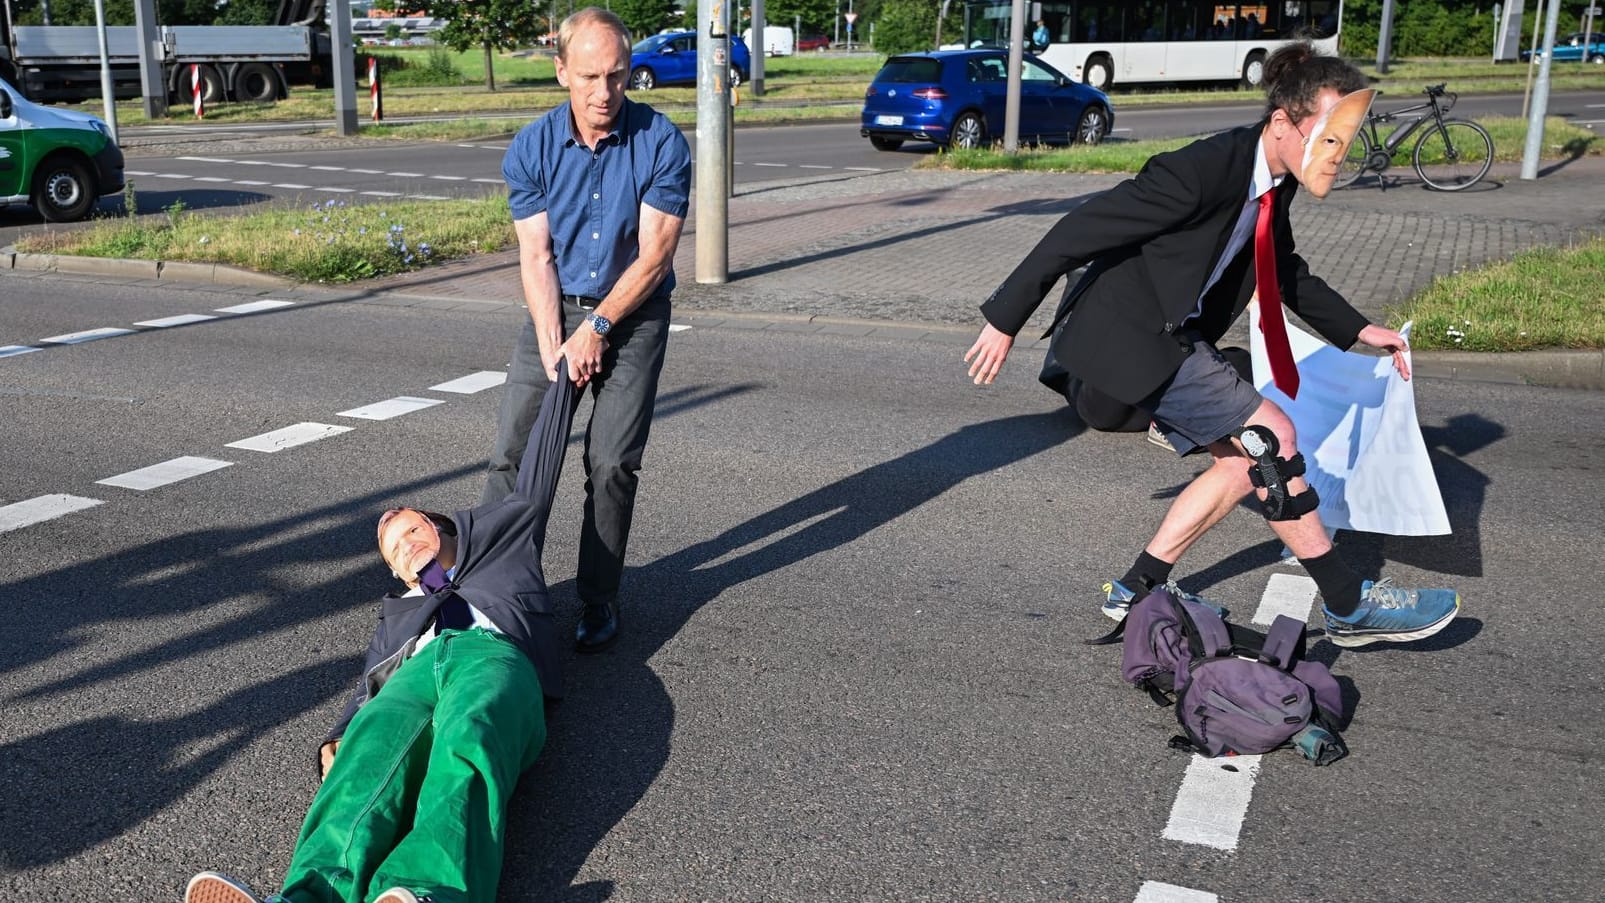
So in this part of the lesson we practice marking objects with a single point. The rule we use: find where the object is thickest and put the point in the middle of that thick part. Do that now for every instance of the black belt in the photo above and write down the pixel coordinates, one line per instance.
(582, 302)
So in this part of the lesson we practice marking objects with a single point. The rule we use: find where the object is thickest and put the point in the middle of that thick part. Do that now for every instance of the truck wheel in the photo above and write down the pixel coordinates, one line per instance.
(211, 85)
(256, 83)
(63, 190)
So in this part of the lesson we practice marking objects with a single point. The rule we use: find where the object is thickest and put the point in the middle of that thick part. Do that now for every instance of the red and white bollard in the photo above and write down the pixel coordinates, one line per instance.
(374, 93)
(195, 89)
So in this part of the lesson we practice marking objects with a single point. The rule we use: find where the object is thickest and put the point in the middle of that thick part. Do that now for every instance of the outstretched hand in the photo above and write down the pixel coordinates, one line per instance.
(989, 352)
(1389, 341)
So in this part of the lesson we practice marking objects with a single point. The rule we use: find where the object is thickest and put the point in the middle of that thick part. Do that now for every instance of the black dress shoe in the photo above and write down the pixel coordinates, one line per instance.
(598, 628)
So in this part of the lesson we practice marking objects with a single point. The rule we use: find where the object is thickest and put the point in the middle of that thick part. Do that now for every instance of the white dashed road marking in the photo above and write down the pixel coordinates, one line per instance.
(137, 172)
(289, 437)
(772, 164)
(45, 507)
(1287, 594)
(207, 159)
(489, 181)
(291, 185)
(369, 172)
(383, 194)
(679, 327)
(210, 179)
(249, 182)
(254, 307)
(1159, 892)
(451, 178)
(393, 407)
(473, 382)
(14, 350)
(1213, 801)
(180, 320)
(165, 473)
(171, 175)
(328, 168)
(87, 335)
(406, 175)
(334, 189)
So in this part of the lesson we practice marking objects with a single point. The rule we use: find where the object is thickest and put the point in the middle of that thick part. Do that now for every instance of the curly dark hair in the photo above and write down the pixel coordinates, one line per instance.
(1297, 73)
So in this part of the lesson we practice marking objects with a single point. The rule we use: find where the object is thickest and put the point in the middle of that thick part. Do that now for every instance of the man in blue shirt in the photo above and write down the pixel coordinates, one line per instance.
(599, 189)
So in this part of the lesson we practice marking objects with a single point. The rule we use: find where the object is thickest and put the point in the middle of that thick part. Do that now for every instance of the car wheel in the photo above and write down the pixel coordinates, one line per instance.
(736, 76)
(1094, 125)
(1254, 70)
(1597, 59)
(969, 132)
(885, 144)
(63, 190)
(1098, 73)
(642, 79)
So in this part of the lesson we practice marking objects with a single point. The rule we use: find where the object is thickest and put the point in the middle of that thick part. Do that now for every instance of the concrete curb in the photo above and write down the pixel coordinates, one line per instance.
(174, 271)
(1560, 369)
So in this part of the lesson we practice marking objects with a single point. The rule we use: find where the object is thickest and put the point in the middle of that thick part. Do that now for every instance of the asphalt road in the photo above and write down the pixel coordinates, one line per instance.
(851, 666)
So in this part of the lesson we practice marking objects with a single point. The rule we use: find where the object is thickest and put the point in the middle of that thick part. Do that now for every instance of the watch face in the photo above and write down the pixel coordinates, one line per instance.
(600, 323)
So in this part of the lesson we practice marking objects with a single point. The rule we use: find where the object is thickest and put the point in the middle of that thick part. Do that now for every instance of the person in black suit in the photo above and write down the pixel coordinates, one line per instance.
(1172, 262)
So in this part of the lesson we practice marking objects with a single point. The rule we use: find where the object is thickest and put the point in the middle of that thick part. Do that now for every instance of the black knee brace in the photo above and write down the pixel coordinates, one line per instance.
(1271, 474)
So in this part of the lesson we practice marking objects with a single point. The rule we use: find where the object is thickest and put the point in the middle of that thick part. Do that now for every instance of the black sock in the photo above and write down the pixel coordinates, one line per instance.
(1339, 584)
(1147, 573)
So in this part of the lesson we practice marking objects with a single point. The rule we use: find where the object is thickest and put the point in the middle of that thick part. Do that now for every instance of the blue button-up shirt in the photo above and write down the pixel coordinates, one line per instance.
(592, 199)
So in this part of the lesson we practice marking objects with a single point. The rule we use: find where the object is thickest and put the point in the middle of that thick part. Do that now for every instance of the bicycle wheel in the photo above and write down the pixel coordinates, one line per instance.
(1354, 164)
(1453, 155)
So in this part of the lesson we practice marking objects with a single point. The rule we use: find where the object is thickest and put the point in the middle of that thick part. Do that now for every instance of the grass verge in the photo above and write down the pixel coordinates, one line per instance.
(325, 242)
(1542, 298)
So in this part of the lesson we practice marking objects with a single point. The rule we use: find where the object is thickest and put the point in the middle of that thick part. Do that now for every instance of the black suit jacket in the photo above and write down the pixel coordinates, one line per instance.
(1152, 242)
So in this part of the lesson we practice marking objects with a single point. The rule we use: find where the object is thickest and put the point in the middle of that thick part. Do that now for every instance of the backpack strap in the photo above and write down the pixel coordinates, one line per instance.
(1110, 638)
(1207, 635)
(1284, 644)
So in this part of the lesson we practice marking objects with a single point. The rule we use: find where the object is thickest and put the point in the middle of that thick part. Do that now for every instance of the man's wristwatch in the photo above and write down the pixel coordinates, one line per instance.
(599, 323)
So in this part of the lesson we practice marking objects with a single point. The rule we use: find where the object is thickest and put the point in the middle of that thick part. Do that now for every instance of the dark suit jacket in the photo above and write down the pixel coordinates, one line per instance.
(498, 568)
(1152, 241)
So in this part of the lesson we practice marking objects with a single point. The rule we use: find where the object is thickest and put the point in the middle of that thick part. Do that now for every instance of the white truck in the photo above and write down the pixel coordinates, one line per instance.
(48, 63)
(778, 40)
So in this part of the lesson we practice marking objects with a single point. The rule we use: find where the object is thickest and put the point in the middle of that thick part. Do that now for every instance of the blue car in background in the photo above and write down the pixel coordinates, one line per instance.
(1574, 48)
(955, 98)
(671, 59)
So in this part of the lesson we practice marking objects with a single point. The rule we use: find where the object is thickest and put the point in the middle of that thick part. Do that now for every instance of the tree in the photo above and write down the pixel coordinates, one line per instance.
(907, 26)
(489, 24)
(643, 17)
(393, 31)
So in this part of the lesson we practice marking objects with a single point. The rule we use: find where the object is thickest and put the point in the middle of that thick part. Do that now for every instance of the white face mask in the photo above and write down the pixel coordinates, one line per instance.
(1328, 141)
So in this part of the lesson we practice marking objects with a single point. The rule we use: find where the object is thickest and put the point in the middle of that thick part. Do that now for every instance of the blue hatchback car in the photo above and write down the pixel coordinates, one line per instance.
(671, 59)
(955, 98)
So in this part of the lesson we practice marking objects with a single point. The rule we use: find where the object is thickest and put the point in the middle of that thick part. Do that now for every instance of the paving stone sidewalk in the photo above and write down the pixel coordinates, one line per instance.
(925, 247)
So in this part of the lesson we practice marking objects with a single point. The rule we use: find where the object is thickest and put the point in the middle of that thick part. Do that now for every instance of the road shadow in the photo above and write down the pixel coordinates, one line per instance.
(93, 780)
(610, 738)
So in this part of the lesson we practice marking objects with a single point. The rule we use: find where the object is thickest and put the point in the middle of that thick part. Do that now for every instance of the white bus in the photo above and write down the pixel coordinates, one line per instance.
(1101, 42)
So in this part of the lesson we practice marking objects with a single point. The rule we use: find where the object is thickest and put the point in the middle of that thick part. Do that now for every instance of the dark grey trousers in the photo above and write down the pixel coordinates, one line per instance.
(615, 438)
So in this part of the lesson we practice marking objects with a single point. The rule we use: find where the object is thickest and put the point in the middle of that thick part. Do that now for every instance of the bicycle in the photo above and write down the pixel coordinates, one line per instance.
(1450, 155)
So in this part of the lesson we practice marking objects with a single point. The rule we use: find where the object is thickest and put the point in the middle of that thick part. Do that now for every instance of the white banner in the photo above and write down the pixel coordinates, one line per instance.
(1356, 423)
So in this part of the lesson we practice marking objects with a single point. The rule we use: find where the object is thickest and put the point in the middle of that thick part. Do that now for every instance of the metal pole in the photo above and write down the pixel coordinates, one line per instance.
(713, 128)
(1535, 120)
(105, 71)
(759, 23)
(1385, 37)
(151, 56)
(1532, 56)
(1011, 103)
(345, 74)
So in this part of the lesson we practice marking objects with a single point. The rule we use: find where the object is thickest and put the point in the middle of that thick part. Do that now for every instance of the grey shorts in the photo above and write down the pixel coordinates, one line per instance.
(1205, 401)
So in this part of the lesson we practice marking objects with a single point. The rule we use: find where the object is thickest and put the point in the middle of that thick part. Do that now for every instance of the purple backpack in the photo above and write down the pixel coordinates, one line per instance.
(1235, 690)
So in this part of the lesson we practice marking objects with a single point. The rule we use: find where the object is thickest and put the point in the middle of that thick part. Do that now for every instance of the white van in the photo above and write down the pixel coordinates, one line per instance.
(59, 161)
(777, 40)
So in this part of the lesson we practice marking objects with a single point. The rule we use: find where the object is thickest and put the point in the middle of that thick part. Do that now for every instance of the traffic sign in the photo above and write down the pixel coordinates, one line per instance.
(850, 17)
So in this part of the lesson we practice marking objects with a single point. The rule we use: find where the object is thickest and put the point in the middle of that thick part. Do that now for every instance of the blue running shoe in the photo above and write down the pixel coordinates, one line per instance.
(1118, 599)
(1388, 614)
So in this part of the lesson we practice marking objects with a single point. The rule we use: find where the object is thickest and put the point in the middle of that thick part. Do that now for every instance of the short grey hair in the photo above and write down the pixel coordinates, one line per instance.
(590, 15)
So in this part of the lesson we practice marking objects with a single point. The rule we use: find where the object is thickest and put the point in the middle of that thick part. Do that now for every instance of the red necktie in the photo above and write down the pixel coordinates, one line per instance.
(1271, 324)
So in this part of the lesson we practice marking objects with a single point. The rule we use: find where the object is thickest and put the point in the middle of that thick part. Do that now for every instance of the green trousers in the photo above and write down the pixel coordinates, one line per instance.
(417, 796)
